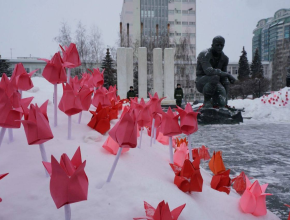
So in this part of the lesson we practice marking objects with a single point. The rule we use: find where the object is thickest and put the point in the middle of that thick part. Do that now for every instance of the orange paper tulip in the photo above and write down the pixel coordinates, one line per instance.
(216, 164)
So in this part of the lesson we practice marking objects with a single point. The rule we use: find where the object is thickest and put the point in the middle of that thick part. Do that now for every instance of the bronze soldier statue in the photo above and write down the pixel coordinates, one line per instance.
(212, 79)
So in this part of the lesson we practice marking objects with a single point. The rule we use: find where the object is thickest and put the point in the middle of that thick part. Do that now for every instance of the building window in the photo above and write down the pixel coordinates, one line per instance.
(184, 12)
(192, 46)
(171, 22)
(129, 12)
(39, 70)
(191, 0)
(191, 23)
(170, 11)
(178, 11)
(192, 35)
(184, 23)
(191, 12)
(178, 34)
(27, 70)
(177, 22)
(171, 34)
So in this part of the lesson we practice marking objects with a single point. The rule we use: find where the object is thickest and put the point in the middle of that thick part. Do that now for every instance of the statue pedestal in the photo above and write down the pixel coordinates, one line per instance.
(220, 116)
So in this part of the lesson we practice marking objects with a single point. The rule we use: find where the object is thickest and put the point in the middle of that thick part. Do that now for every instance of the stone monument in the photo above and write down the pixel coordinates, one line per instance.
(212, 80)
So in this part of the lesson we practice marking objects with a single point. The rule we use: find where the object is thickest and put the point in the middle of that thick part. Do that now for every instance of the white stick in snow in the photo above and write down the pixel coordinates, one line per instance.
(80, 117)
(67, 212)
(114, 165)
(43, 156)
(10, 134)
(68, 75)
(189, 148)
(55, 104)
(2, 133)
(152, 131)
(140, 141)
(154, 140)
(69, 128)
(20, 91)
(170, 150)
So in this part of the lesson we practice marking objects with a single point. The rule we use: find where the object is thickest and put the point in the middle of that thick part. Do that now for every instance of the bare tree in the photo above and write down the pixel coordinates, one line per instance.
(81, 41)
(64, 35)
(96, 45)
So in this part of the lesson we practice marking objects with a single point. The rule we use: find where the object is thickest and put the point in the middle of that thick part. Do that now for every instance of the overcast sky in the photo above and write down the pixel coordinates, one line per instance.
(29, 26)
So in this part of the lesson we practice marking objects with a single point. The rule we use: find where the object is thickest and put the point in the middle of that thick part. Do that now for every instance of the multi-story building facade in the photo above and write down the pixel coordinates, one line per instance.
(176, 18)
(269, 32)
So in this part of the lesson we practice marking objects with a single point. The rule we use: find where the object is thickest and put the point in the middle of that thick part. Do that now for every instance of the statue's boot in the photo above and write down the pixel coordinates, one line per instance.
(207, 102)
(208, 92)
(220, 96)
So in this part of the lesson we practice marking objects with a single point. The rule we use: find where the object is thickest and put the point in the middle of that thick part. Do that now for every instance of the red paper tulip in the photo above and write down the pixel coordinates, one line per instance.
(85, 95)
(221, 182)
(71, 55)
(180, 155)
(100, 121)
(125, 131)
(111, 146)
(162, 212)
(101, 96)
(24, 105)
(12, 109)
(155, 104)
(188, 178)
(161, 138)
(87, 80)
(188, 120)
(169, 126)
(203, 153)
(37, 127)
(21, 78)
(240, 183)
(113, 93)
(253, 199)
(98, 77)
(144, 117)
(75, 83)
(70, 102)
(69, 182)
(54, 71)
(1, 177)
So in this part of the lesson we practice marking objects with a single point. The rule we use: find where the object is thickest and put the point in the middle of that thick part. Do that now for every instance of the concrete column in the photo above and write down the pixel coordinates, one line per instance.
(122, 72)
(194, 72)
(136, 22)
(169, 73)
(157, 72)
(142, 72)
(129, 68)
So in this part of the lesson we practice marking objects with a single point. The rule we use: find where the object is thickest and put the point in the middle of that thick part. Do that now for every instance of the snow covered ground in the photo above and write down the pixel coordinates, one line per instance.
(141, 175)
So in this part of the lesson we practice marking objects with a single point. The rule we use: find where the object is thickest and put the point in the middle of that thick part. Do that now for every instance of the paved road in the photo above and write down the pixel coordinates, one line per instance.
(262, 151)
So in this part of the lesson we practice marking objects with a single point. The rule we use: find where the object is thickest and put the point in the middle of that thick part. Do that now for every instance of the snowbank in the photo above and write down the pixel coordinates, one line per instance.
(266, 112)
(141, 175)
(260, 112)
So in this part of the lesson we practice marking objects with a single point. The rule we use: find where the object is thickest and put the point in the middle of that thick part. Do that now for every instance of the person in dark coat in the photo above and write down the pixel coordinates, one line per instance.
(178, 95)
(131, 93)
